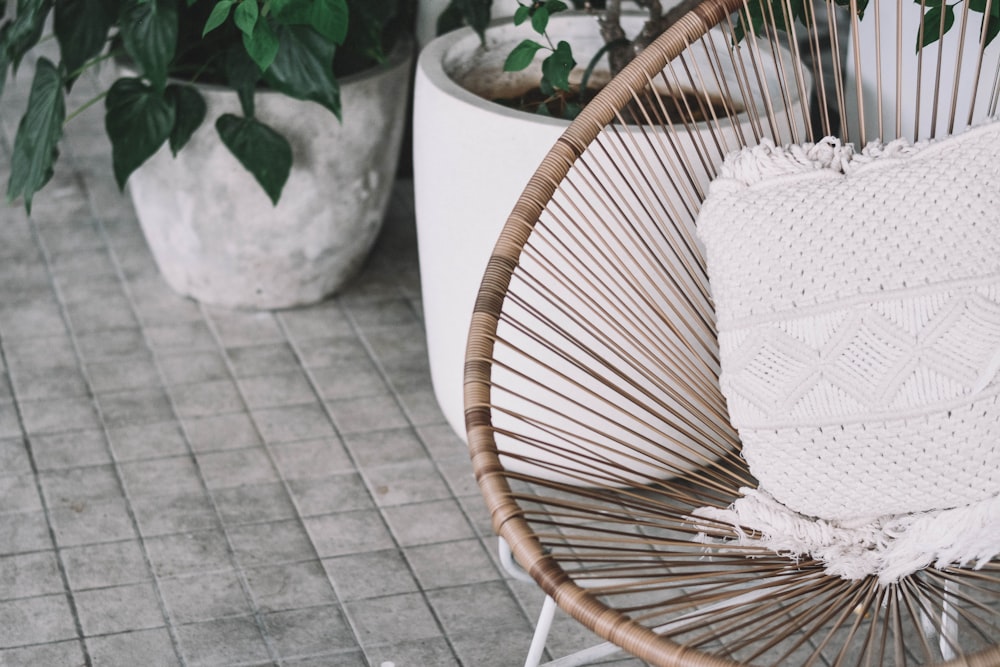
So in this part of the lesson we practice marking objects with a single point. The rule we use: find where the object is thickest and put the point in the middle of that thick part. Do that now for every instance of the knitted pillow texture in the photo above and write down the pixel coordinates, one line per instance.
(858, 304)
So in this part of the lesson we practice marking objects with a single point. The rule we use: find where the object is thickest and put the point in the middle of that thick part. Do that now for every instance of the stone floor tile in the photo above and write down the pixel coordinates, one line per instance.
(469, 609)
(69, 450)
(434, 651)
(148, 441)
(105, 315)
(68, 653)
(371, 413)
(413, 619)
(10, 421)
(29, 575)
(58, 415)
(204, 597)
(451, 564)
(290, 586)
(149, 648)
(188, 553)
(135, 407)
(91, 522)
(330, 350)
(253, 504)
(403, 483)
(76, 486)
(349, 378)
(301, 632)
(421, 407)
(323, 321)
(326, 495)
(14, 457)
(182, 512)
(113, 345)
(204, 399)
(106, 611)
(53, 382)
(259, 544)
(236, 467)
(267, 391)
(192, 367)
(370, 574)
(355, 658)
(223, 641)
(115, 376)
(35, 620)
(233, 430)
(427, 523)
(23, 532)
(179, 337)
(46, 350)
(310, 459)
(375, 448)
(104, 565)
(293, 422)
(348, 532)
(257, 360)
(161, 477)
(492, 646)
(19, 493)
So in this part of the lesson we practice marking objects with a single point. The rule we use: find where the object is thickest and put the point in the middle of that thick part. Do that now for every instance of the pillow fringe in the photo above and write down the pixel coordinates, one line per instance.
(889, 547)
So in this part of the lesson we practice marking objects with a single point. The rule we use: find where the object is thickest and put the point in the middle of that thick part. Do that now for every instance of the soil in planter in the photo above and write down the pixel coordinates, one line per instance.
(691, 107)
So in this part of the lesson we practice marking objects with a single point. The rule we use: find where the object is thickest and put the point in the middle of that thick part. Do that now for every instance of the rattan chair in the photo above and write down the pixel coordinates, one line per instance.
(595, 419)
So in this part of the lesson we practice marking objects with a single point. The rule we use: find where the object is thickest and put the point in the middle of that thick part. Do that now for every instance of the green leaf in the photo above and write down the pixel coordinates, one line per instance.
(303, 68)
(81, 28)
(992, 28)
(522, 14)
(476, 14)
(189, 112)
(980, 6)
(138, 119)
(327, 17)
(149, 32)
(556, 67)
(246, 15)
(540, 19)
(262, 44)
(932, 28)
(35, 146)
(26, 29)
(521, 56)
(555, 6)
(220, 12)
(263, 152)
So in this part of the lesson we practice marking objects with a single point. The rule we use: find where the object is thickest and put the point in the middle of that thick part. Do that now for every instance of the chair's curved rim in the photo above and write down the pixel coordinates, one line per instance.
(507, 517)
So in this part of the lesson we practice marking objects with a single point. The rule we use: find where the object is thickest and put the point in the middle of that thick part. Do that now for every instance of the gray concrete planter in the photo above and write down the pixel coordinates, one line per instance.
(216, 236)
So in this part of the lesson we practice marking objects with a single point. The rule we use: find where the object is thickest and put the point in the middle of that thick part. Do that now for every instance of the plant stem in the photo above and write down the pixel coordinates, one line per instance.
(89, 103)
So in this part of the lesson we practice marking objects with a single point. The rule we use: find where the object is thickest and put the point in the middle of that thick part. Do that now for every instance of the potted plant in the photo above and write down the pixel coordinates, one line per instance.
(473, 155)
(258, 164)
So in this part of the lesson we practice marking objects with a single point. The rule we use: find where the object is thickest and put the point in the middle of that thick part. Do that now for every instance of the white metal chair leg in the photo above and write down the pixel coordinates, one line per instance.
(542, 627)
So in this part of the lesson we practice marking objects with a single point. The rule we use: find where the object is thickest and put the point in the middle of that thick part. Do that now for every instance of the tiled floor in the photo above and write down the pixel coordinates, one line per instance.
(182, 485)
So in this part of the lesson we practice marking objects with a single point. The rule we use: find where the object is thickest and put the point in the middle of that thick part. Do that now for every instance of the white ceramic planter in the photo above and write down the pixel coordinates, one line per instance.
(472, 159)
(216, 236)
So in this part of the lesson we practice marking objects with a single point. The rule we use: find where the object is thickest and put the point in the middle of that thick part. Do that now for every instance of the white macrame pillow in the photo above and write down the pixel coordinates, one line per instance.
(858, 303)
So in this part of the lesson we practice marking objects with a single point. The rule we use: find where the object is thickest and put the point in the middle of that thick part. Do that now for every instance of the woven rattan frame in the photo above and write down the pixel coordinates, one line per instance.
(536, 514)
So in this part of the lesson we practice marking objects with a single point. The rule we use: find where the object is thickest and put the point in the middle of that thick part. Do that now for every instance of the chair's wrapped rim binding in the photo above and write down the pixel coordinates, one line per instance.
(595, 434)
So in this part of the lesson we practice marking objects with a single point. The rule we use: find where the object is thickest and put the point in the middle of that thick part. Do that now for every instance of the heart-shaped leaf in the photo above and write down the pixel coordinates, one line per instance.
(138, 119)
(35, 145)
(218, 16)
(81, 28)
(149, 32)
(189, 112)
(303, 68)
(262, 45)
(26, 29)
(266, 154)
(556, 67)
(521, 56)
(327, 17)
(246, 15)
